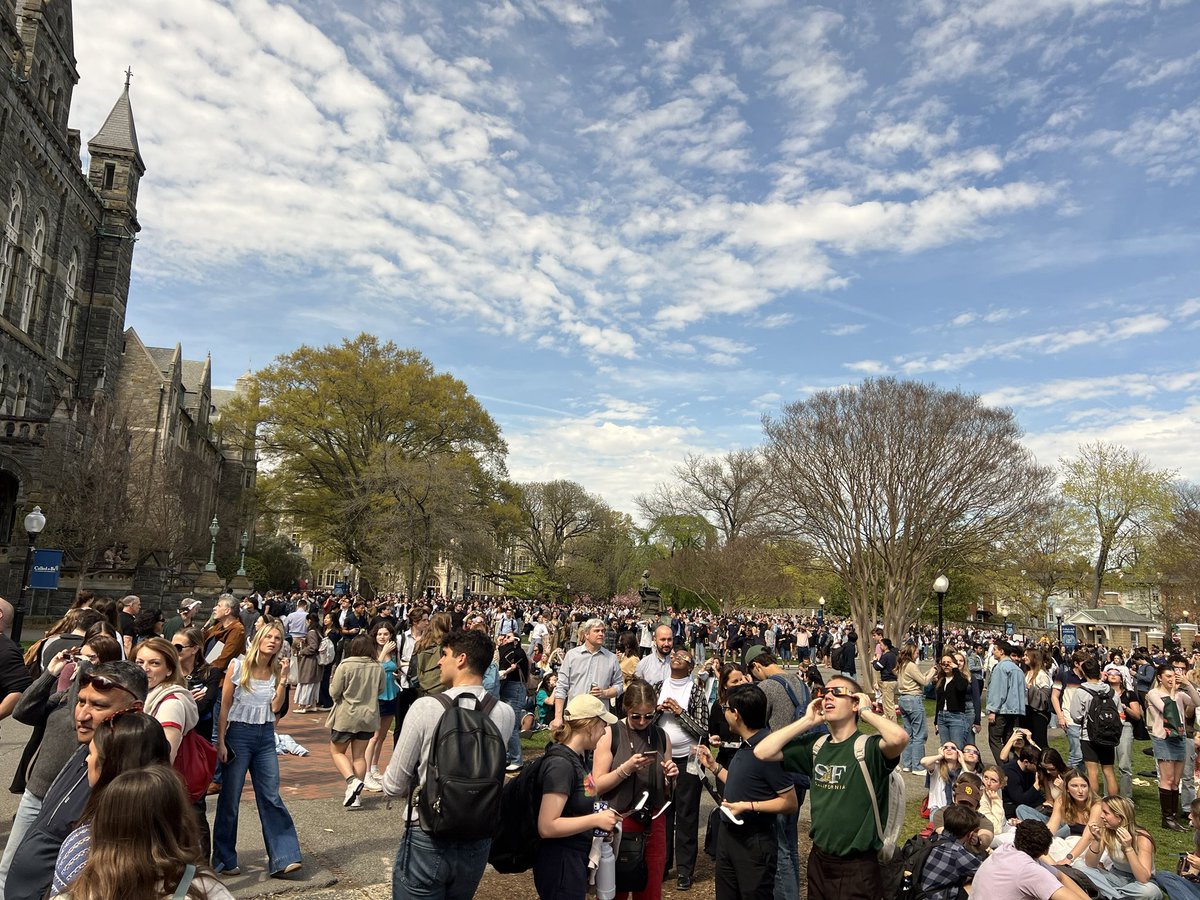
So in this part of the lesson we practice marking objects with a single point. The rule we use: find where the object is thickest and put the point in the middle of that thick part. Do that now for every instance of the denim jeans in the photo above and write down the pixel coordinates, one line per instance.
(954, 726)
(429, 868)
(1117, 884)
(912, 711)
(1187, 783)
(253, 749)
(787, 859)
(1074, 748)
(513, 693)
(27, 812)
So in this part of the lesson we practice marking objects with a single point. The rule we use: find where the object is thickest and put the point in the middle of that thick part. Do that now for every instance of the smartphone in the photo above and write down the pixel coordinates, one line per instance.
(652, 753)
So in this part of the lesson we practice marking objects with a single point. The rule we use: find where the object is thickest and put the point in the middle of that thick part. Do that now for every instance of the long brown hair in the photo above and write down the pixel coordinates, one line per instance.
(143, 837)
(129, 740)
(440, 625)
(166, 650)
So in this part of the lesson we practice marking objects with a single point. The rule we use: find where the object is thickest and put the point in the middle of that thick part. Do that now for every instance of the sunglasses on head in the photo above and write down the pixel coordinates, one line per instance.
(102, 683)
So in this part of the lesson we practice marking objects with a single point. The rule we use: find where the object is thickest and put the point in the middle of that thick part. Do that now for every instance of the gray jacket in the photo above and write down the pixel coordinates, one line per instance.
(42, 703)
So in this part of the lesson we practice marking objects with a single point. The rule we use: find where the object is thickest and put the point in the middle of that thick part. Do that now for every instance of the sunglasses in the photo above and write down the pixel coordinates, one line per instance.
(181, 647)
(970, 750)
(949, 747)
(642, 717)
(839, 692)
(103, 683)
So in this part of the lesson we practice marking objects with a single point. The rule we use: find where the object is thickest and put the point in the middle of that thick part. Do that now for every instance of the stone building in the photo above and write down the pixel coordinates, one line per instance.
(66, 249)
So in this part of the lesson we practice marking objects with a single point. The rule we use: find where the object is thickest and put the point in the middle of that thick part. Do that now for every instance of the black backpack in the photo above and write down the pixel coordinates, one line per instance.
(459, 796)
(516, 843)
(1103, 720)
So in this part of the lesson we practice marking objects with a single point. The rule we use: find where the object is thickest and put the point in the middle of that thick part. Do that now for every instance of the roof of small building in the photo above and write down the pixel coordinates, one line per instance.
(118, 131)
(1109, 615)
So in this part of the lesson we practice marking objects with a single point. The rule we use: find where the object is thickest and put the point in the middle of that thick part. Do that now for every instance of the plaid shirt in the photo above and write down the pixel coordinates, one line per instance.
(947, 868)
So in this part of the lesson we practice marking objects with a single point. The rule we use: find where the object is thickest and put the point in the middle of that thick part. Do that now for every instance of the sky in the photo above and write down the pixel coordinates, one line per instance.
(634, 228)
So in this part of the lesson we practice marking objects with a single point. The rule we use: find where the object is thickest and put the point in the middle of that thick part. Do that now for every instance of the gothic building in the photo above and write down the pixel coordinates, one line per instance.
(65, 249)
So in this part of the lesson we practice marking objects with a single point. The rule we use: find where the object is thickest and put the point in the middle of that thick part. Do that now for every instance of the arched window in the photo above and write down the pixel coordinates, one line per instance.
(22, 395)
(8, 246)
(68, 306)
(33, 272)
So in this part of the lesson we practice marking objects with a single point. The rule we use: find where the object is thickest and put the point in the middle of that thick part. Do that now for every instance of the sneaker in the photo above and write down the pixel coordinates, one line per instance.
(512, 768)
(353, 789)
(301, 710)
(288, 869)
(357, 804)
(234, 871)
(372, 783)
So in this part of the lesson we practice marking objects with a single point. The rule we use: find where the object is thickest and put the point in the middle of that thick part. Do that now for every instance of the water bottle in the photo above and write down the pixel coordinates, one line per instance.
(606, 873)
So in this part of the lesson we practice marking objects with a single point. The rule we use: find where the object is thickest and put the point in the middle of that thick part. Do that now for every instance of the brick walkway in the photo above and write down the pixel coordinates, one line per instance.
(312, 777)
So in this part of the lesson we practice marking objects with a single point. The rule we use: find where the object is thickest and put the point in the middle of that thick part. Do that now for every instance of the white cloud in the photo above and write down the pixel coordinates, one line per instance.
(868, 367)
(1068, 391)
(1138, 71)
(1166, 145)
(844, 330)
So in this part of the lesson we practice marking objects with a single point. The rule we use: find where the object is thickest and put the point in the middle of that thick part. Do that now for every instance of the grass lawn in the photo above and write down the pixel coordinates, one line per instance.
(1168, 844)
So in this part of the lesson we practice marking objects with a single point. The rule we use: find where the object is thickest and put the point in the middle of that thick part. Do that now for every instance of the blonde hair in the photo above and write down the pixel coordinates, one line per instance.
(1123, 809)
(253, 655)
(571, 728)
(166, 650)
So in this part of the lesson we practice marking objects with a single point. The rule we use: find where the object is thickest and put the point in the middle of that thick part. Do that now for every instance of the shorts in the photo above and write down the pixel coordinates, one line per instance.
(1096, 753)
(387, 707)
(341, 737)
(1170, 749)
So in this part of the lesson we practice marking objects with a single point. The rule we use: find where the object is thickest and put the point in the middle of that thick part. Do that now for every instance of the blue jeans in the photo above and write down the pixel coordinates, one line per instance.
(787, 861)
(954, 726)
(253, 749)
(912, 711)
(1074, 748)
(27, 813)
(513, 693)
(429, 868)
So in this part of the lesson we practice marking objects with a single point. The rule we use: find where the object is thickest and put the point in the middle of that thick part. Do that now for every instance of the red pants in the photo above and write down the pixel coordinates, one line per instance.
(656, 858)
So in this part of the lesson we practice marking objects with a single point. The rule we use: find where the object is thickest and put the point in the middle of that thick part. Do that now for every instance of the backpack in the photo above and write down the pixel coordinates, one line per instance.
(1103, 720)
(516, 844)
(837, 659)
(325, 651)
(889, 833)
(799, 707)
(459, 796)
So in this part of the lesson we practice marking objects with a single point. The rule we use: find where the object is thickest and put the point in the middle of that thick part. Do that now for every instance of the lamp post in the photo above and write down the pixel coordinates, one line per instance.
(34, 523)
(941, 584)
(1058, 616)
(820, 610)
(212, 549)
(242, 568)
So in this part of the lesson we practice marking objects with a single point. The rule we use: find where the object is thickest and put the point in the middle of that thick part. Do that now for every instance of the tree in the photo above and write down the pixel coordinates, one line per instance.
(325, 415)
(1177, 554)
(890, 479)
(553, 515)
(1126, 500)
(608, 560)
(731, 492)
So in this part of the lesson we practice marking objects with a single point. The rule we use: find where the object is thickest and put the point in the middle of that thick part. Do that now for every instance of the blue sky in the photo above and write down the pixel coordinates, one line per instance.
(634, 228)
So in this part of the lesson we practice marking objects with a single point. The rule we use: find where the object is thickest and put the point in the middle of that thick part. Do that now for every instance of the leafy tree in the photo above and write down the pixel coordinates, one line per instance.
(1126, 501)
(609, 559)
(282, 564)
(890, 480)
(325, 415)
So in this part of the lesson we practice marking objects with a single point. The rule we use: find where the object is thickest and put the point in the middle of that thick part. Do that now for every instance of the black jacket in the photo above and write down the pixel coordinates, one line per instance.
(32, 868)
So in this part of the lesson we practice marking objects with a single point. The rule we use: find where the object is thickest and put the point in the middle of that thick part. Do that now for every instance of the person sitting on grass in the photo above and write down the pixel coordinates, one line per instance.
(952, 862)
(1015, 871)
(1184, 884)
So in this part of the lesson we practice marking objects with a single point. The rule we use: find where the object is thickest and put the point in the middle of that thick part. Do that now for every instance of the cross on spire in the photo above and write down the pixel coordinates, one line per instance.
(128, 76)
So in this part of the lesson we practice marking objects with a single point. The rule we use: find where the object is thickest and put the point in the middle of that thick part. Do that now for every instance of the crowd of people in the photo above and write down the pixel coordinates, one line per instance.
(427, 701)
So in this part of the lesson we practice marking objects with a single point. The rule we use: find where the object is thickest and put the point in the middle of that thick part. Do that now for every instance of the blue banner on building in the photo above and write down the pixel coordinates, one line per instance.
(46, 566)
(1069, 638)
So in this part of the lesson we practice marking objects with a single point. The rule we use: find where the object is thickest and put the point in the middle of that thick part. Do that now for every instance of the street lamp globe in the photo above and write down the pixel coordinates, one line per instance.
(941, 584)
(821, 600)
(35, 521)
(1058, 611)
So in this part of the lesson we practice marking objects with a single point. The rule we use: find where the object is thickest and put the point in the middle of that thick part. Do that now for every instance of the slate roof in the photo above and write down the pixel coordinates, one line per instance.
(118, 131)
(1109, 615)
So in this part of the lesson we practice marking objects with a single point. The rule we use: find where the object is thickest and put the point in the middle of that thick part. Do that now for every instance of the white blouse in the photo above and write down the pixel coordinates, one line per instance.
(251, 707)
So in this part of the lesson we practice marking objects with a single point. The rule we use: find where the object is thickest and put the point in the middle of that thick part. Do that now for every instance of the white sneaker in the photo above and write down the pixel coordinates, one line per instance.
(353, 789)
(357, 804)
(372, 783)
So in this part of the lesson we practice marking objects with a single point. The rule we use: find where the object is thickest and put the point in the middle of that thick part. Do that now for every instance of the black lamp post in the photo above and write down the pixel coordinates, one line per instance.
(1058, 616)
(214, 529)
(34, 523)
(941, 584)
(820, 610)
(242, 568)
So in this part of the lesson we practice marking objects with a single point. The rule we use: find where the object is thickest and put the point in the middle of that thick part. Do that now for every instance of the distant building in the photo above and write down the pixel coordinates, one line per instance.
(1114, 625)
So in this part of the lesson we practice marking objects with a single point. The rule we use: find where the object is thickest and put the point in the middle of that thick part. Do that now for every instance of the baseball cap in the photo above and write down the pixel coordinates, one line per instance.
(753, 652)
(585, 706)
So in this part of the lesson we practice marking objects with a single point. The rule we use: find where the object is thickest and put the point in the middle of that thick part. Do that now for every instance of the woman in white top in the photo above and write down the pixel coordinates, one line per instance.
(943, 767)
(255, 689)
(169, 700)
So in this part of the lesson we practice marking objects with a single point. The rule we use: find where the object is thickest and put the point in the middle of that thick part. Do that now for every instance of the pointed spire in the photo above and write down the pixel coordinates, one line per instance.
(118, 131)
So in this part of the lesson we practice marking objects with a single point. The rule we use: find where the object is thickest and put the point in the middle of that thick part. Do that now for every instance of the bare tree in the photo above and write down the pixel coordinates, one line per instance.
(553, 514)
(1128, 502)
(889, 478)
(731, 492)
